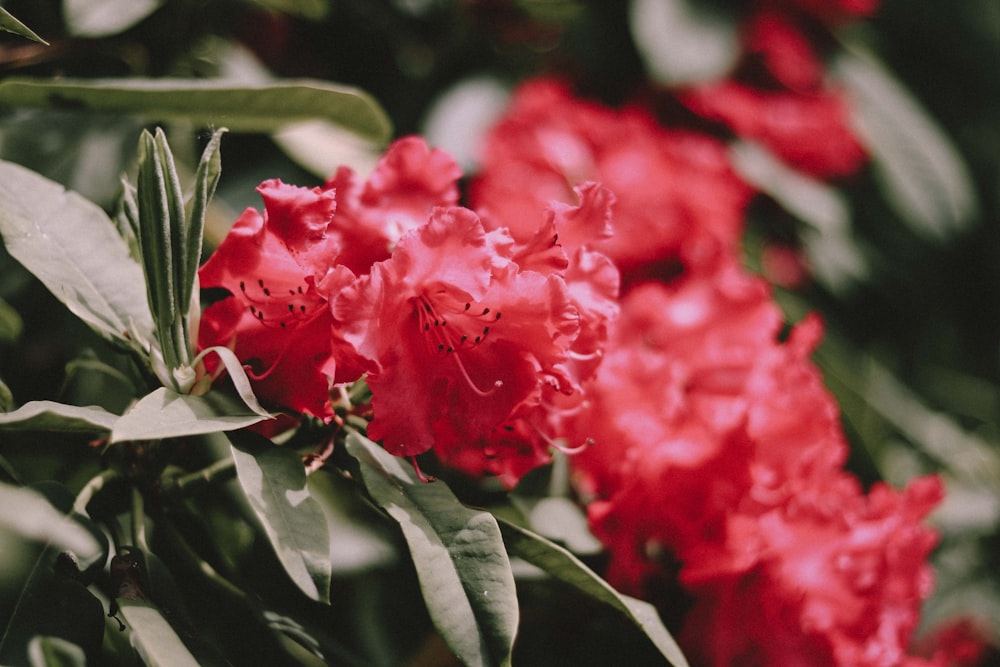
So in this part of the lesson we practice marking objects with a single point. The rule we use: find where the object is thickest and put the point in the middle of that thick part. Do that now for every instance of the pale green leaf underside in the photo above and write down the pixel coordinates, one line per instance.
(274, 481)
(458, 552)
(564, 566)
(153, 637)
(100, 18)
(260, 107)
(74, 249)
(27, 513)
(164, 413)
(44, 651)
(59, 417)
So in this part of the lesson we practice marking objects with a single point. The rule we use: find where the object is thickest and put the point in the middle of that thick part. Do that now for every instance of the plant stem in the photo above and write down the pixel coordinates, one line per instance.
(223, 468)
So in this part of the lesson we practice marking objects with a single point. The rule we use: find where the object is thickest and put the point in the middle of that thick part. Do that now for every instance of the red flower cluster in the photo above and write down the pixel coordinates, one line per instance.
(778, 95)
(678, 199)
(718, 459)
(469, 337)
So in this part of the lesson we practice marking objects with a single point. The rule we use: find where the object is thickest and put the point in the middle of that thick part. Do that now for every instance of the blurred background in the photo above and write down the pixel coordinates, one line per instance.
(901, 257)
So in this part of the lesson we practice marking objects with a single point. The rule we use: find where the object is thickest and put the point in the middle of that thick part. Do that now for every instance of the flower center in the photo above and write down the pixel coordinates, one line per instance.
(464, 331)
(275, 310)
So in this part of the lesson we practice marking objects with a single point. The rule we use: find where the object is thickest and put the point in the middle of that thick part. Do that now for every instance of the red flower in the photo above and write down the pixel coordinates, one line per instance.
(835, 578)
(475, 340)
(718, 464)
(284, 267)
(460, 338)
(276, 320)
(677, 198)
(810, 131)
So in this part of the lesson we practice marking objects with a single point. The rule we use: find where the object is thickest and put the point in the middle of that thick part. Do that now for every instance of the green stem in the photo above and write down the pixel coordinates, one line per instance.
(139, 521)
(223, 468)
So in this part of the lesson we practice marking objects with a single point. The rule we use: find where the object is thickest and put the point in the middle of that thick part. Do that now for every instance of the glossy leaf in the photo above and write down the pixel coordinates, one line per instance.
(564, 566)
(262, 107)
(59, 417)
(461, 562)
(73, 248)
(164, 413)
(922, 174)
(274, 481)
(9, 23)
(153, 637)
(682, 41)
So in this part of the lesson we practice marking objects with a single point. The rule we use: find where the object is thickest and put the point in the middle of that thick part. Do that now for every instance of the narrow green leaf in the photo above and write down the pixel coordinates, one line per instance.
(164, 413)
(683, 41)
(158, 195)
(274, 481)
(101, 18)
(153, 637)
(564, 566)
(46, 651)
(238, 376)
(922, 174)
(10, 24)
(458, 552)
(72, 247)
(58, 417)
(262, 107)
(205, 181)
(127, 218)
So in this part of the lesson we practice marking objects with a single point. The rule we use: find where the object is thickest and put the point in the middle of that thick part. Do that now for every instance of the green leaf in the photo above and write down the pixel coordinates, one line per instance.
(100, 18)
(45, 651)
(161, 224)
(262, 107)
(274, 481)
(164, 413)
(58, 417)
(564, 566)
(458, 552)
(29, 514)
(205, 181)
(10, 24)
(72, 247)
(683, 41)
(835, 256)
(10, 323)
(922, 174)
(153, 637)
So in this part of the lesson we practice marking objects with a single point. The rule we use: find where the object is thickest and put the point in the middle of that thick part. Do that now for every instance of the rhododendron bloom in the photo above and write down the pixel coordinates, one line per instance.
(462, 340)
(284, 266)
(810, 131)
(718, 464)
(677, 198)
(276, 320)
